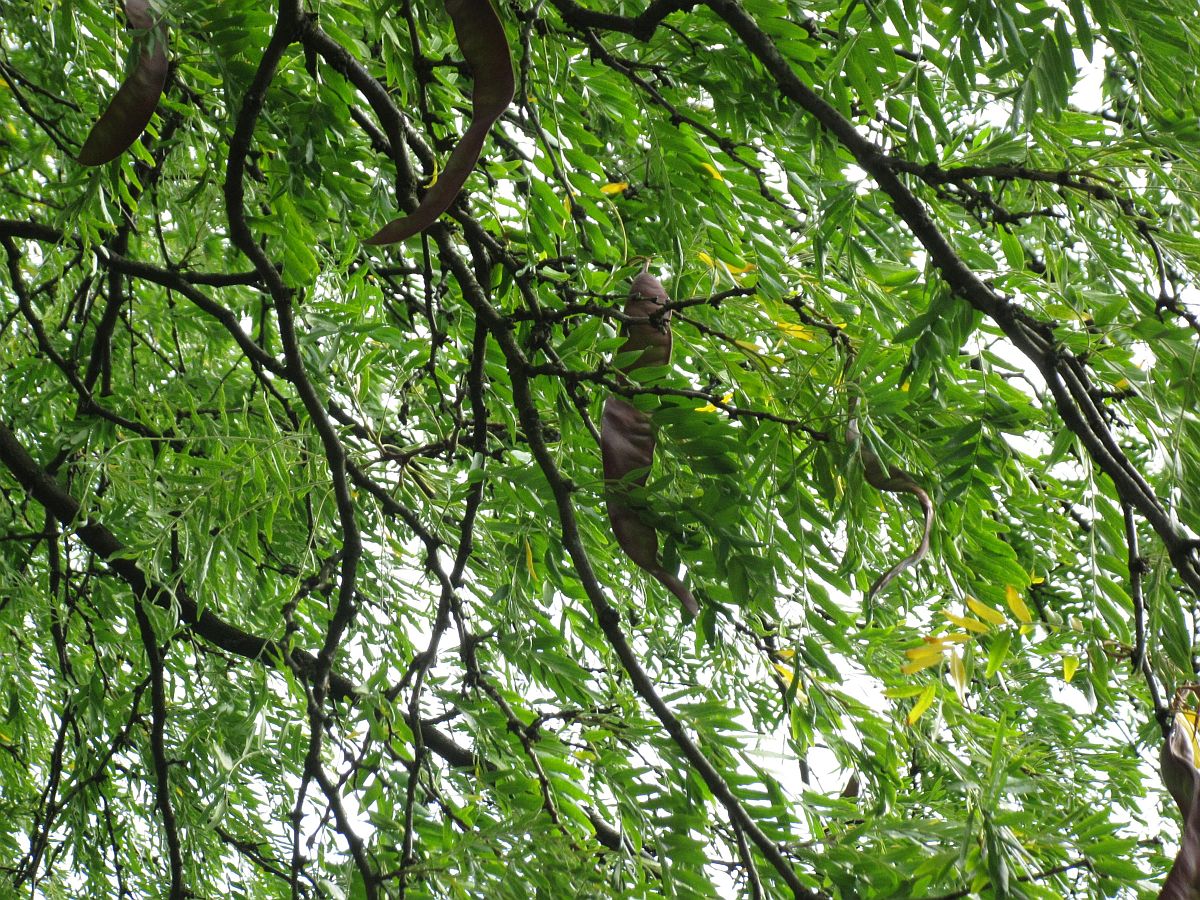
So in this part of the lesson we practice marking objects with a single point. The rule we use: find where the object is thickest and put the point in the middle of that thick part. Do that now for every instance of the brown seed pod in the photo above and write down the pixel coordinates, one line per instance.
(130, 110)
(481, 38)
(627, 437)
(1183, 781)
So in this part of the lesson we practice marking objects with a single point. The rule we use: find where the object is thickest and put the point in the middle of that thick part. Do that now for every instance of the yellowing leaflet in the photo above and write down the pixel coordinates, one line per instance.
(708, 407)
(924, 650)
(799, 332)
(728, 267)
(958, 671)
(967, 622)
(529, 560)
(984, 611)
(1017, 605)
(923, 703)
(923, 662)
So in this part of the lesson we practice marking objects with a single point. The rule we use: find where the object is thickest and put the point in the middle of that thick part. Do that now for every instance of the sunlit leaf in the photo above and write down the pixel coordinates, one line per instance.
(924, 701)
(985, 612)
(967, 622)
(1017, 604)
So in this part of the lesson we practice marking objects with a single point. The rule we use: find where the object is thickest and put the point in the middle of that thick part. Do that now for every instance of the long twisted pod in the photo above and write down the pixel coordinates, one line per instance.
(130, 110)
(481, 37)
(627, 436)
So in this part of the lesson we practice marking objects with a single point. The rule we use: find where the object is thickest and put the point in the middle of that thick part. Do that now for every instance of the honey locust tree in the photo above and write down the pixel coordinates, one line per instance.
(307, 584)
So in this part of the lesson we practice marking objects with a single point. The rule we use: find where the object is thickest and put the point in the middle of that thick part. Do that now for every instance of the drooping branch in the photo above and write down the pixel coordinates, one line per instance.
(1062, 372)
(155, 657)
(101, 541)
(287, 30)
(607, 616)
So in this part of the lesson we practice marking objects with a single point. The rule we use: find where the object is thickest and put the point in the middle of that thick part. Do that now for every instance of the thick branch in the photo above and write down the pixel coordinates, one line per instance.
(1062, 372)
(607, 615)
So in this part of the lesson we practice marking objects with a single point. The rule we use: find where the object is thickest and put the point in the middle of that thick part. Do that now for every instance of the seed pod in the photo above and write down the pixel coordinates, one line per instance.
(627, 437)
(130, 110)
(485, 48)
(646, 299)
(1183, 781)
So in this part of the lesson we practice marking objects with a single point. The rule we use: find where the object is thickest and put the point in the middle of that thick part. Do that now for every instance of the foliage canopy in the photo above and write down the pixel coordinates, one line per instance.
(307, 586)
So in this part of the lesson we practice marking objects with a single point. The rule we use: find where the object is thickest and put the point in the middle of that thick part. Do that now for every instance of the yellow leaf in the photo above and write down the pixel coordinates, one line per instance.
(731, 269)
(437, 170)
(933, 649)
(786, 653)
(711, 170)
(784, 672)
(984, 611)
(708, 407)
(957, 637)
(1122, 385)
(614, 187)
(1016, 604)
(529, 560)
(1035, 578)
(923, 703)
(567, 204)
(904, 387)
(1070, 665)
(799, 332)
(958, 671)
(923, 662)
(749, 346)
(967, 622)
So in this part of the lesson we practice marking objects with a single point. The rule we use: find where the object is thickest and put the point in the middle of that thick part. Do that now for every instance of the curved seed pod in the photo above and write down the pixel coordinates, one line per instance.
(897, 481)
(627, 438)
(485, 48)
(130, 110)
(1183, 781)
